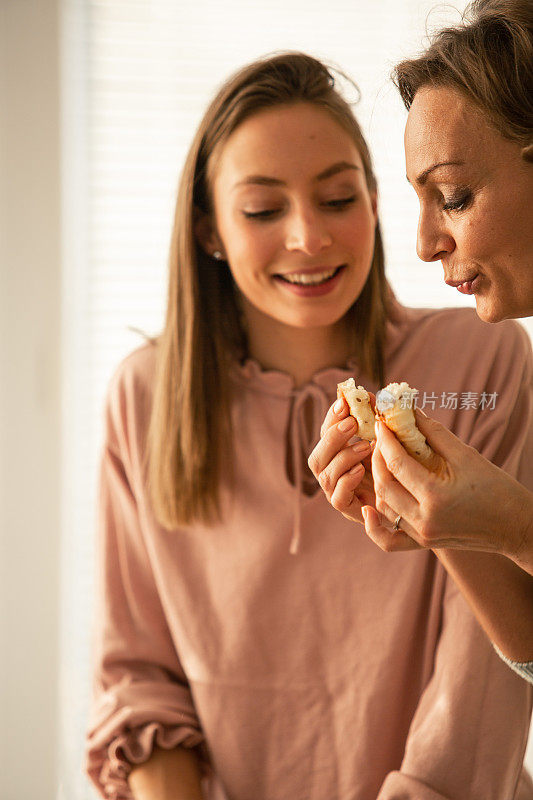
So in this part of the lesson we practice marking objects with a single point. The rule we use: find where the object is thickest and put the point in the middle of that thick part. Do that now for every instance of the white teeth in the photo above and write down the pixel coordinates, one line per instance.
(309, 279)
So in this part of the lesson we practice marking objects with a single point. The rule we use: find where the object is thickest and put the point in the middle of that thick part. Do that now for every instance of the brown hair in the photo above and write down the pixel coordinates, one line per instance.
(190, 437)
(489, 58)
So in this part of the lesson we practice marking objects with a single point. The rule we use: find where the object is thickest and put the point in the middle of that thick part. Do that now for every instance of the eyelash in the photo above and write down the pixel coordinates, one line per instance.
(458, 202)
(332, 205)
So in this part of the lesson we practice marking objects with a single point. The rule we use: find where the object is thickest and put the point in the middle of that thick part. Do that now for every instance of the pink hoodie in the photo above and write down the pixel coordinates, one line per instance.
(338, 672)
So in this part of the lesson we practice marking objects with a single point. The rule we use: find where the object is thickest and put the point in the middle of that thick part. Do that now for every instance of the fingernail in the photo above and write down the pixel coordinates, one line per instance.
(347, 424)
(337, 408)
(361, 447)
(422, 412)
(356, 469)
(364, 512)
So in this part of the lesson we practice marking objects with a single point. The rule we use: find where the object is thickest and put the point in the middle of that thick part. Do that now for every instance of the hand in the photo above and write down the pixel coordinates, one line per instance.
(470, 505)
(342, 468)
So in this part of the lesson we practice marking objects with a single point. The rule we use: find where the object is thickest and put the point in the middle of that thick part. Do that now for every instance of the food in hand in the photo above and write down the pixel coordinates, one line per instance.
(358, 401)
(394, 407)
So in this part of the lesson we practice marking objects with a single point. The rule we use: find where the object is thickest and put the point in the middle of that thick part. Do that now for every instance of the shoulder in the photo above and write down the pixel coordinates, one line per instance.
(460, 330)
(503, 346)
(129, 395)
(452, 350)
(136, 372)
(462, 321)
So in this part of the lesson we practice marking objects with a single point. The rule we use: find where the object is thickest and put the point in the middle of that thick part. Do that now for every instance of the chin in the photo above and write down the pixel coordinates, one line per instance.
(490, 312)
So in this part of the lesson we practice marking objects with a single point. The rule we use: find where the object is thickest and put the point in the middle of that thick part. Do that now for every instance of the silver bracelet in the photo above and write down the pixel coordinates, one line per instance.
(522, 668)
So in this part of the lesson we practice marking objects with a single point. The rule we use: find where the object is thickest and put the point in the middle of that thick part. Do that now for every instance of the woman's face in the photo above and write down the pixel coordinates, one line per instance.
(476, 199)
(293, 216)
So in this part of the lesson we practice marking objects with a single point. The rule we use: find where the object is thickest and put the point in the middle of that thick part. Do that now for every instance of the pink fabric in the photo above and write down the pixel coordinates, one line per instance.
(338, 672)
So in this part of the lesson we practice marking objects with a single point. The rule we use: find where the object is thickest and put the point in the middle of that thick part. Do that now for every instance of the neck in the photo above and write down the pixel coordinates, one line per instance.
(299, 352)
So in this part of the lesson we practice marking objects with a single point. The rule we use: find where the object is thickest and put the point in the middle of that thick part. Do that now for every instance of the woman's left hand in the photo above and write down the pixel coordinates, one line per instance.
(342, 467)
(470, 504)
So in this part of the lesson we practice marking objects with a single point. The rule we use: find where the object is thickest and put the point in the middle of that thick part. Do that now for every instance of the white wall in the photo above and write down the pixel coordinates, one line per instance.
(30, 412)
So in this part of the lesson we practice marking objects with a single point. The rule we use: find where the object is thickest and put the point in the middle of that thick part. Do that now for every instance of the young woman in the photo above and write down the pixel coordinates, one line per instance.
(248, 644)
(469, 153)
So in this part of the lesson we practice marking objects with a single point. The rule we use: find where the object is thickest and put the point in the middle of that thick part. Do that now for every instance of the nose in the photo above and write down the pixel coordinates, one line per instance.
(307, 231)
(434, 241)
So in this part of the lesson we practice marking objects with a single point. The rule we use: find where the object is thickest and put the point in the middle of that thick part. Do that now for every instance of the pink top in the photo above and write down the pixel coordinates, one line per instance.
(340, 672)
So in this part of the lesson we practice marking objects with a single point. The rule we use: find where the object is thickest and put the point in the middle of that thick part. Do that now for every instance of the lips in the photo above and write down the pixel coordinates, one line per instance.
(455, 284)
(466, 285)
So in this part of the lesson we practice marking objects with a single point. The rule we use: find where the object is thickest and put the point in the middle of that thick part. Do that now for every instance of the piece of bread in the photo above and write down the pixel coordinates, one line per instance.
(358, 401)
(395, 407)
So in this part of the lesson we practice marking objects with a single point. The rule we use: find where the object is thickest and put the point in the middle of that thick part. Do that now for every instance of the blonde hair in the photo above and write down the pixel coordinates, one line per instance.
(190, 436)
(489, 58)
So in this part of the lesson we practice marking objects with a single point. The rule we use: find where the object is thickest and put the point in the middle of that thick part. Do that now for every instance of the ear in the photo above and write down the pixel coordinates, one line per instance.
(374, 204)
(527, 153)
(206, 234)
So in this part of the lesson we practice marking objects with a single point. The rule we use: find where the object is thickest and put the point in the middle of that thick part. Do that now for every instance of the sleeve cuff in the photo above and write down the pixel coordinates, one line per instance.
(135, 747)
(128, 721)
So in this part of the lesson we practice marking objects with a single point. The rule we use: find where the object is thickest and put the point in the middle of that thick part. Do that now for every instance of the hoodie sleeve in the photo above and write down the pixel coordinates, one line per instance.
(140, 693)
(472, 691)
(469, 733)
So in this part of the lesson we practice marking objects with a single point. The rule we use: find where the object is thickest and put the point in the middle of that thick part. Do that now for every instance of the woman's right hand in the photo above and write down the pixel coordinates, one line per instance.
(343, 470)
(470, 505)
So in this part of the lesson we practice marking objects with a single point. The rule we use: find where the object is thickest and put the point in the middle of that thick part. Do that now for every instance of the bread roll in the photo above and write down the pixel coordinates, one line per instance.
(358, 401)
(395, 407)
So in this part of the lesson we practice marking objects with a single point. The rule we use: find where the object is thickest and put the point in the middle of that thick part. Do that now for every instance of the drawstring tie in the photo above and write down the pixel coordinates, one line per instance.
(302, 442)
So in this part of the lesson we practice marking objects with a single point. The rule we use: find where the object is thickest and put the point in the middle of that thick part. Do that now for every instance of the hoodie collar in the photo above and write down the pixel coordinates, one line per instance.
(320, 391)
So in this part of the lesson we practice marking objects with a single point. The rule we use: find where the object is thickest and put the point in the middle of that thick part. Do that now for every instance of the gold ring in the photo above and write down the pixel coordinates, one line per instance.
(396, 523)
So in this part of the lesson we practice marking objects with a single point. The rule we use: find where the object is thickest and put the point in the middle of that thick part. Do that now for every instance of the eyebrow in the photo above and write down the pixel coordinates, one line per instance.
(421, 179)
(263, 180)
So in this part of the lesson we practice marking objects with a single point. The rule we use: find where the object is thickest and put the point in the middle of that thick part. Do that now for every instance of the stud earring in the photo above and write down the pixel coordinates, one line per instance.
(527, 152)
(218, 255)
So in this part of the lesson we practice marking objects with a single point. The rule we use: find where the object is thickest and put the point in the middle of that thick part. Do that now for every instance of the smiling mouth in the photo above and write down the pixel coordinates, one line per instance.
(310, 278)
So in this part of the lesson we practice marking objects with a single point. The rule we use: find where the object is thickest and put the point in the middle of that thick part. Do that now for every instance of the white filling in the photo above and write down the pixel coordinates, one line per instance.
(395, 403)
(386, 398)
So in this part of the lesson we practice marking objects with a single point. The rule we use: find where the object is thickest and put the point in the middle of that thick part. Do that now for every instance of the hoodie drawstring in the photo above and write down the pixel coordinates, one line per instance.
(302, 441)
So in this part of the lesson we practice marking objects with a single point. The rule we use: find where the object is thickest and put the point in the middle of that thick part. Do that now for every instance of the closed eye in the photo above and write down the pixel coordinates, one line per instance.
(264, 214)
(268, 213)
(342, 202)
(458, 202)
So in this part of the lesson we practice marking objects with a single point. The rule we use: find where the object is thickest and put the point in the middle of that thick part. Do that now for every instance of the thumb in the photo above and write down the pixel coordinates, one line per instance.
(439, 438)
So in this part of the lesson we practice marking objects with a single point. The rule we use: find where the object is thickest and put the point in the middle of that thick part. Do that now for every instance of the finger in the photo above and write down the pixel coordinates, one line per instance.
(340, 464)
(367, 461)
(343, 498)
(388, 540)
(390, 492)
(331, 443)
(439, 437)
(388, 517)
(339, 410)
(408, 472)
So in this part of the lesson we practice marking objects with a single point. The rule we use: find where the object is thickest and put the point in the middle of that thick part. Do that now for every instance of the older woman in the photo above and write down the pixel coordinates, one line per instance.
(469, 156)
